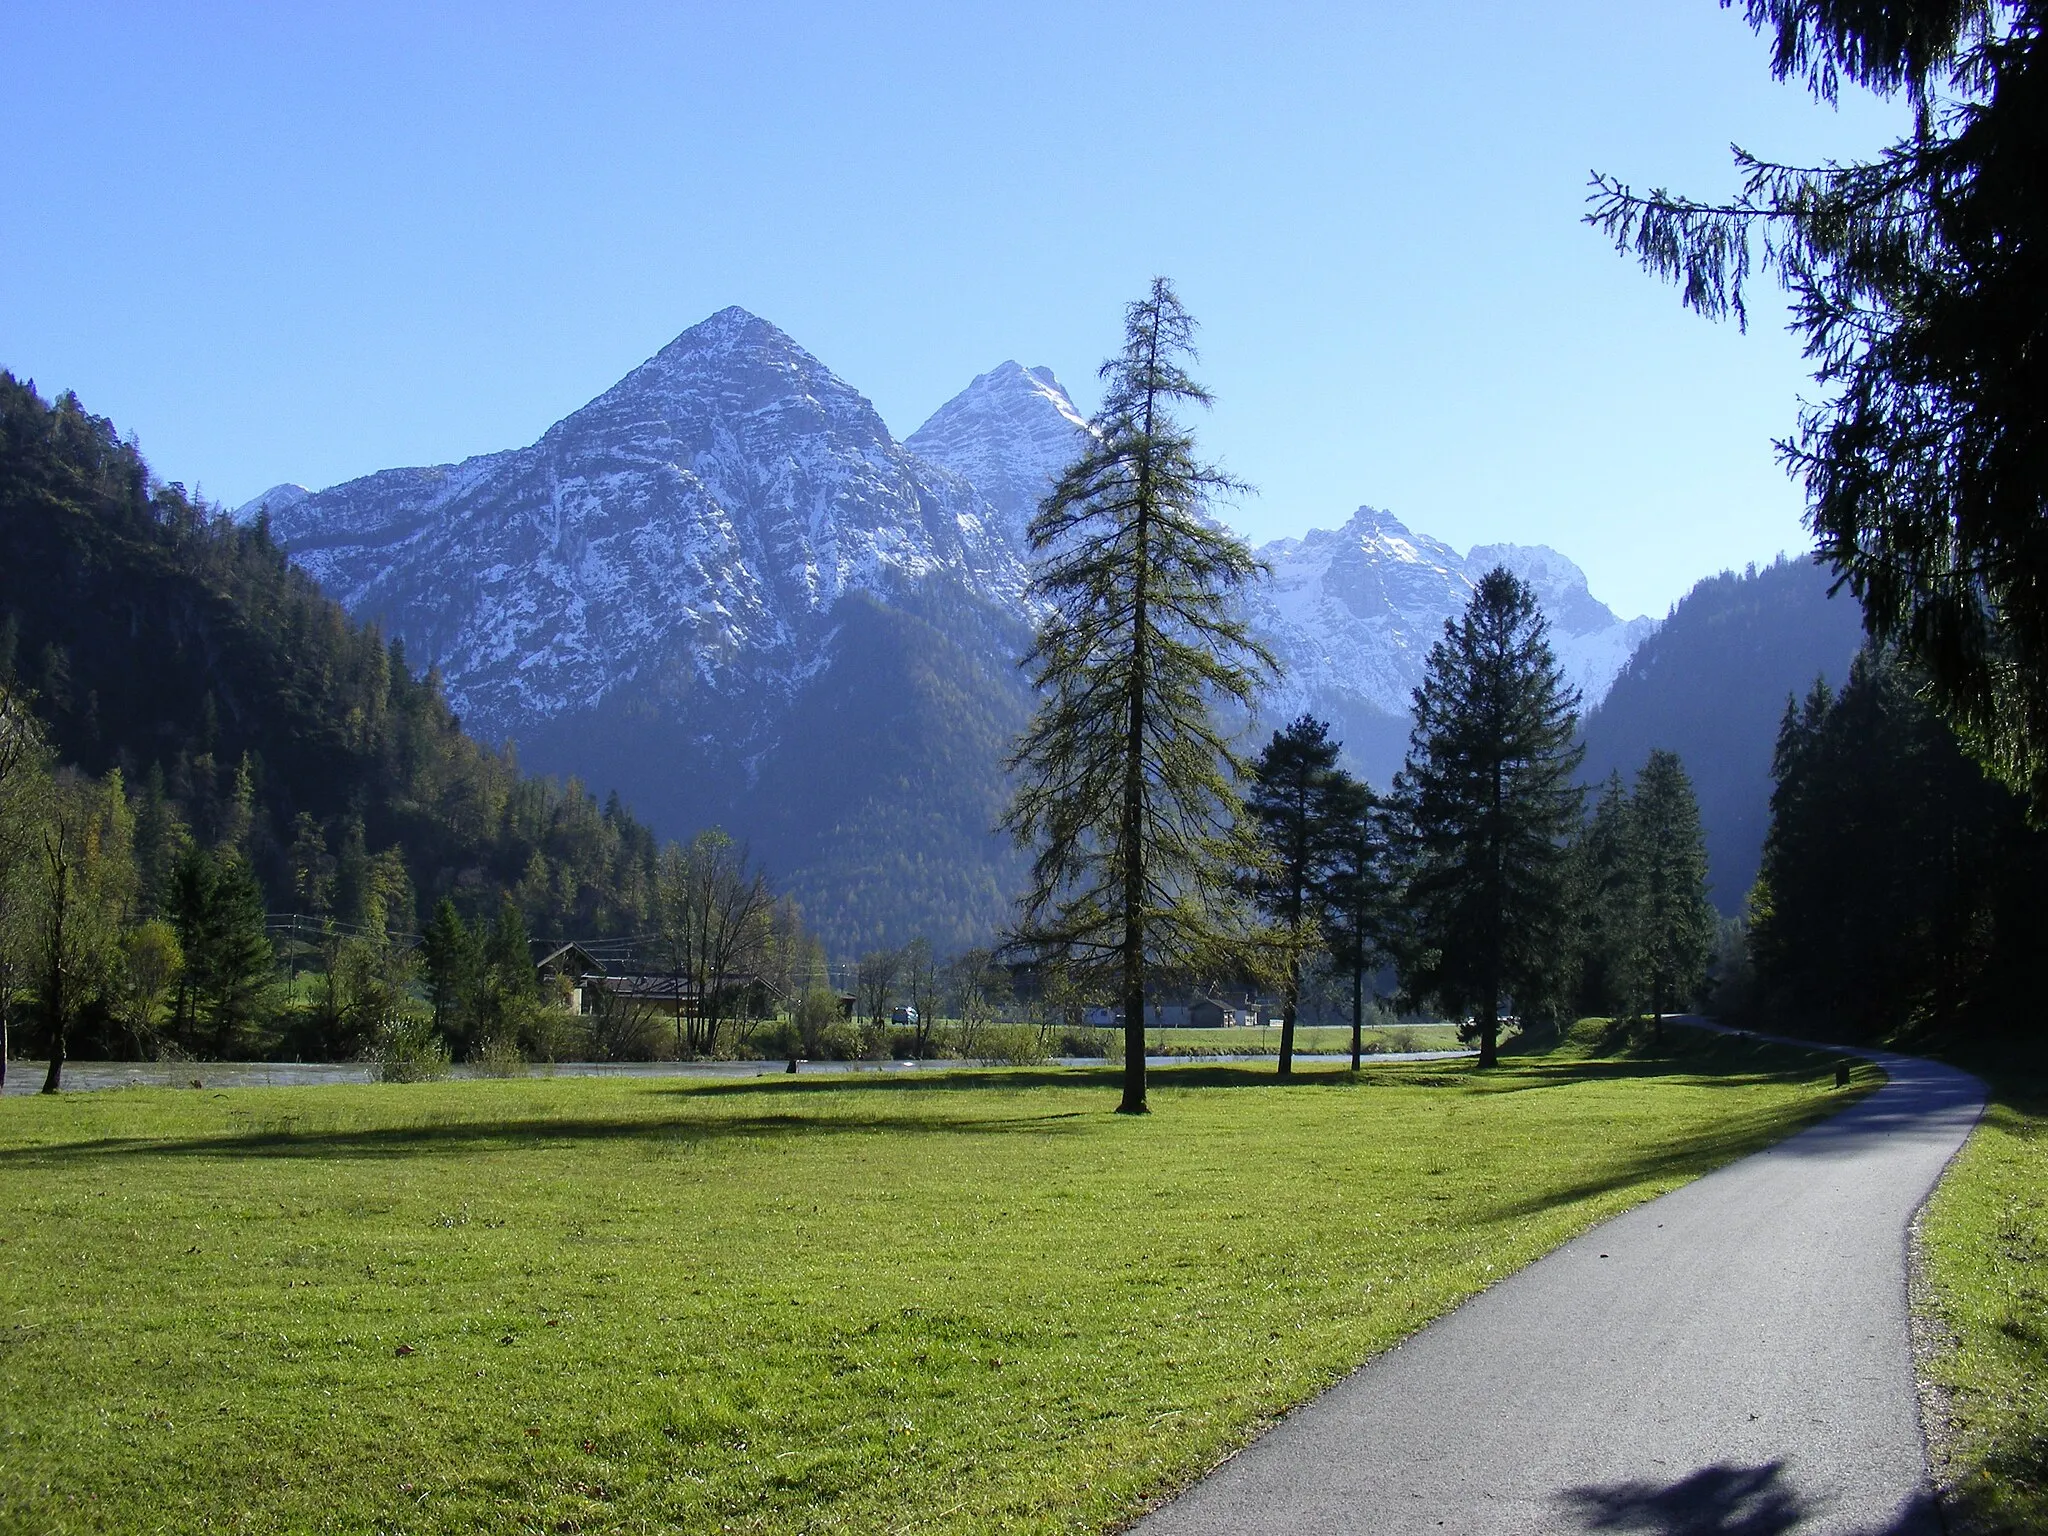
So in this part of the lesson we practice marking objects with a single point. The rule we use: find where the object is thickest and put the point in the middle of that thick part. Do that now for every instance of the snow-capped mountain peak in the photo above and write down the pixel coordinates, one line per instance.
(1352, 613)
(273, 501)
(1010, 433)
(698, 519)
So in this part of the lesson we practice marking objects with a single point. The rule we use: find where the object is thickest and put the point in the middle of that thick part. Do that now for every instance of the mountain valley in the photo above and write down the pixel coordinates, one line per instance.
(726, 590)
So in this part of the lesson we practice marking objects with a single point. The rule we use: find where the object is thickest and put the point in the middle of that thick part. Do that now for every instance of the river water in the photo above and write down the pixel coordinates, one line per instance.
(88, 1076)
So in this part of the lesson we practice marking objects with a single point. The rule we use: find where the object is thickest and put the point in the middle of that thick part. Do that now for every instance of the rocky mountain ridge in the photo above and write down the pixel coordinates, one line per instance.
(705, 514)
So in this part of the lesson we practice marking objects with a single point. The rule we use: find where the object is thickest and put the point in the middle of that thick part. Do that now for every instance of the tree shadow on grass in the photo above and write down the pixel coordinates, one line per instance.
(1718, 1501)
(1517, 1076)
(1685, 1157)
(466, 1135)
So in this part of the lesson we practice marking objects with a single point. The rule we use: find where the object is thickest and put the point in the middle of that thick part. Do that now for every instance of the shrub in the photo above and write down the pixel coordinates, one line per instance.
(499, 1057)
(408, 1050)
(1015, 1045)
(544, 1033)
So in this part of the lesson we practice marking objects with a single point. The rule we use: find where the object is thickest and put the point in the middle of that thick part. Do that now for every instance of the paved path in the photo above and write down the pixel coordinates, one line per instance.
(1730, 1358)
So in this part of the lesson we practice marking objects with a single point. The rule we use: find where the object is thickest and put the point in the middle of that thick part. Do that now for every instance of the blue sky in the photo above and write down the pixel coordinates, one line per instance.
(308, 242)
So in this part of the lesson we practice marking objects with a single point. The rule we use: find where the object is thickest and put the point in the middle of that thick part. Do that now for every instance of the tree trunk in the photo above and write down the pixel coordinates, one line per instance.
(1357, 1013)
(1133, 1101)
(54, 999)
(57, 1004)
(1290, 1001)
(54, 1078)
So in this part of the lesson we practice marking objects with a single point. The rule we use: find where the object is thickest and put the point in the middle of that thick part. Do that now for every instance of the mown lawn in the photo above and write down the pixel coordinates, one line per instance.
(973, 1302)
(1985, 1239)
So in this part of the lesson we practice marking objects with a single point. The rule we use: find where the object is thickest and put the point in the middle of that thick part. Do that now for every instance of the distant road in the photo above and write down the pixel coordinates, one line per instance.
(85, 1076)
(1730, 1358)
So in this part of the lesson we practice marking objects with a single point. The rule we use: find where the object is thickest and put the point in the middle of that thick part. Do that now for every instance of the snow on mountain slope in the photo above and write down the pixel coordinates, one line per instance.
(1351, 613)
(273, 501)
(1354, 611)
(1009, 434)
(724, 588)
(703, 514)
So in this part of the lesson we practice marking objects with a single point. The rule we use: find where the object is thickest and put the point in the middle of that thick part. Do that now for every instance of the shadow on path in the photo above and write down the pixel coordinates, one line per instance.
(1717, 1501)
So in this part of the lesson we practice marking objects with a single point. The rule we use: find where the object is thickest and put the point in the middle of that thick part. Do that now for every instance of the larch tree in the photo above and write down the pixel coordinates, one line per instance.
(1297, 796)
(1485, 802)
(1919, 287)
(1126, 775)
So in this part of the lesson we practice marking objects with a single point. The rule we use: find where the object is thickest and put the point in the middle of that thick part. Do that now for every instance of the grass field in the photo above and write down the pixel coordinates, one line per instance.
(1986, 1243)
(973, 1302)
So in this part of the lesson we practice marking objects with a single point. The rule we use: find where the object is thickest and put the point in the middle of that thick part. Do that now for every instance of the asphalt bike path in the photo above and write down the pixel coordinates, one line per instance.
(1730, 1358)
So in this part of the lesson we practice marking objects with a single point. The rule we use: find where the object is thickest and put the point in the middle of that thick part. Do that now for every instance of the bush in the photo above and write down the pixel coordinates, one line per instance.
(620, 1030)
(544, 1033)
(409, 1051)
(1015, 1045)
(499, 1057)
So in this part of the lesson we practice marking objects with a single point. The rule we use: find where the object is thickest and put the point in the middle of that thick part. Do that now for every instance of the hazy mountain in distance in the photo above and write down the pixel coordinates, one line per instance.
(1711, 685)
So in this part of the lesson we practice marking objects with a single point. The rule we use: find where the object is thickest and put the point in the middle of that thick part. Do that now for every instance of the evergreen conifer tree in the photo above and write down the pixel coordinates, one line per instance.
(452, 959)
(1901, 888)
(1610, 903)
(1357, 912)
(1485, 801)
(509, 954)
(1677, 924)
(1919, 280)
(1297, 799)
(1126, 776)
(240, 961)
(24, 802)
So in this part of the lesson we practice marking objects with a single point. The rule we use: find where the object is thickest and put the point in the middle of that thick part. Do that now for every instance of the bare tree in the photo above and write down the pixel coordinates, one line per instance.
(976, 990)
(880, 971)
(921, 990)
(713, 911)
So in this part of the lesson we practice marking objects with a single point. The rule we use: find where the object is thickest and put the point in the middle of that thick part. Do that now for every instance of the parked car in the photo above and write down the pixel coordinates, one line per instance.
(904, 1016)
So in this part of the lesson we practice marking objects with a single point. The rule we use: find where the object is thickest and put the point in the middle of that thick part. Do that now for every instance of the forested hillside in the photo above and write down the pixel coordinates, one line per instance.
(244, 708)
(1711, 685)
(1903, 897)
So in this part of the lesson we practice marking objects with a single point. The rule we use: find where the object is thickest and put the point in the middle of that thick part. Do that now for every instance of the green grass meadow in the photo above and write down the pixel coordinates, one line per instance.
(966, 1302)
(1985, 1238)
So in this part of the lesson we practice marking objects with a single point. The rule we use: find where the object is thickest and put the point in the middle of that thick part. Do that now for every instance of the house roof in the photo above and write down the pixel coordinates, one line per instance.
(571, 958)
